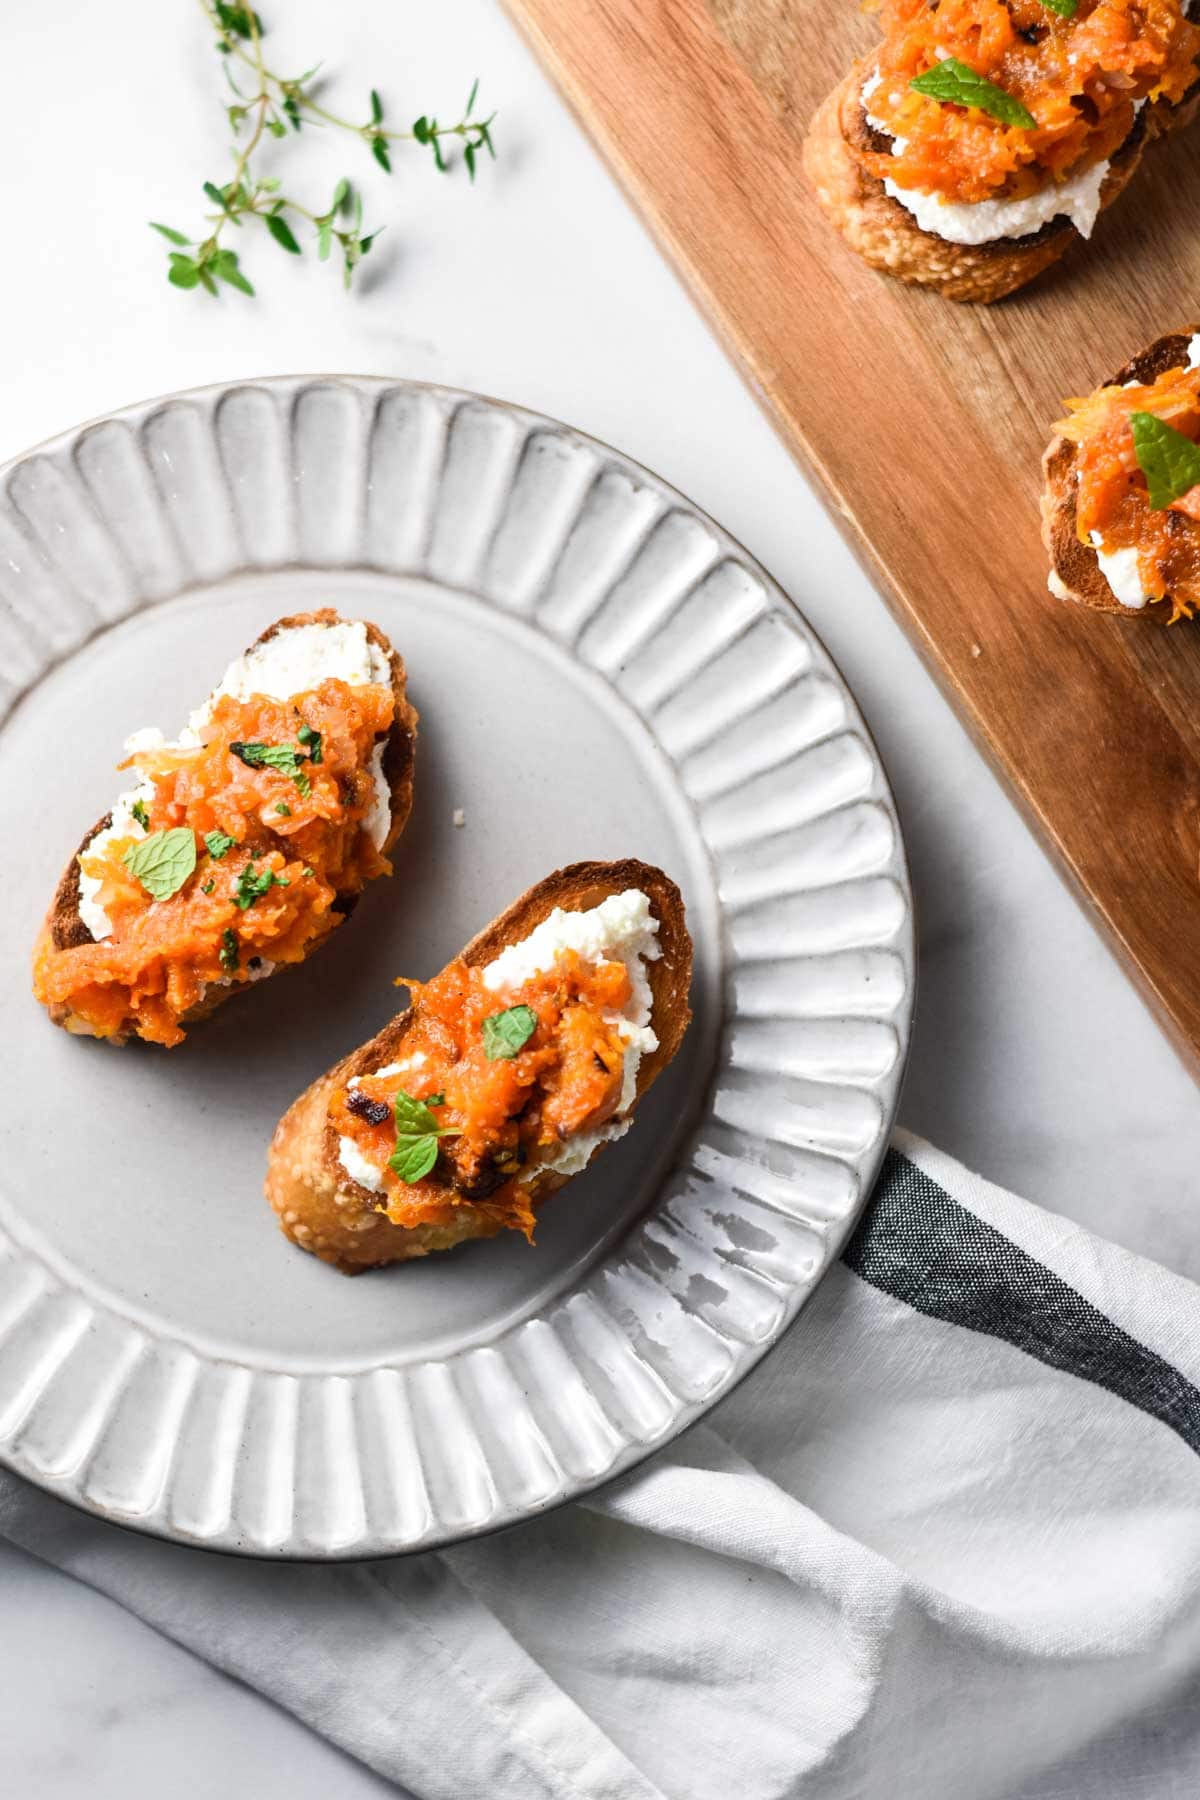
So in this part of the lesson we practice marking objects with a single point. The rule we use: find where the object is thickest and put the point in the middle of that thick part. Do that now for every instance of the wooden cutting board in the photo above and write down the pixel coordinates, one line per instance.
(924, 422)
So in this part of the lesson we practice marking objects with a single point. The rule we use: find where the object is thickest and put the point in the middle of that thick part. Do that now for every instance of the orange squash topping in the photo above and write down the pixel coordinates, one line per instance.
(1079, 77)
(1112, 499)
(278, 841)
(501, 1104)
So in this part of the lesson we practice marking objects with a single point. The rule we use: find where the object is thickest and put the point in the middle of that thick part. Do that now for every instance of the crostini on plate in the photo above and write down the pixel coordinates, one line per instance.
(982, 139)
(1121, 504)
(506, 1075)
(243, 844)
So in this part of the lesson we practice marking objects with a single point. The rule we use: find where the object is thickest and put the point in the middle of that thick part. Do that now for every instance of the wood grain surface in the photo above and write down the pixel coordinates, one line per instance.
(924, 422)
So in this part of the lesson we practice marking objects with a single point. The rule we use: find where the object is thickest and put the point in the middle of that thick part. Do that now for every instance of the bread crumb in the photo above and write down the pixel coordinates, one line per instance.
(460, 817)
(976, 649)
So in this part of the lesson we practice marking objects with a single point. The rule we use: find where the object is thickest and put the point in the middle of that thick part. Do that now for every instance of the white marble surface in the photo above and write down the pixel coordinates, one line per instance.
(1034, 1060)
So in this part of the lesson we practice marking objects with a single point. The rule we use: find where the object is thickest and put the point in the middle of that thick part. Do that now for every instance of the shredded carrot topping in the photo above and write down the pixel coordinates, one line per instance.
(1079, 77)
(1111, 498)
(497, 1114)
(297, 847)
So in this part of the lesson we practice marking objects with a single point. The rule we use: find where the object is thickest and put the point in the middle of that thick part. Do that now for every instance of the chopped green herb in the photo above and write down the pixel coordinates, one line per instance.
(208, 887)
(303, 784)
(1168, 459)
(163, 861)
(417, 1134)
(217, 843)
(281, 806)
(254, 883)
(955, 81)
(308, 872)
(505, 1033)
(1066, 9)
(229, 948)
(312, 742)
(268, 756)
(138, 809)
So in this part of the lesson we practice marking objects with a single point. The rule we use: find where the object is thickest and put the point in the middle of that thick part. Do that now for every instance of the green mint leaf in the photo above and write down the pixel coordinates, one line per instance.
(267, 756)
(254, 883)
(163, 861)
(138, 809)
(303, 784)
(215, 195)
(205, 279)
(376, 107)
(413, 1158)
(379, 151)
(953, 80)
(172, 236)
(417, 1134)
(420, 129)
(282, 807)
(312, 742)
(505, 1033)
(413, 1117)
(283, 234)
(217, 843)
(228, 952)
(1169, 460)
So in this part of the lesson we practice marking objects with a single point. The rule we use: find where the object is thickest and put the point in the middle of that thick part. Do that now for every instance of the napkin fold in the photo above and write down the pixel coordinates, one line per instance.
(943, 1542)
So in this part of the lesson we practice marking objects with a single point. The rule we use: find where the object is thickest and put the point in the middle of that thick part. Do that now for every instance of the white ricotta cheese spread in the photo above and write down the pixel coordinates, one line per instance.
(1120, 569)
(357, 1166)
(291, 662)
(984, 221)
(621, 929)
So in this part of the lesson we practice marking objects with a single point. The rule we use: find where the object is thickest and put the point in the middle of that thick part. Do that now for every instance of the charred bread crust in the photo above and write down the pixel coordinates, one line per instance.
(1074, 566)
(1165, 116)
(887, 236)
(66, 928)
(321, 1208)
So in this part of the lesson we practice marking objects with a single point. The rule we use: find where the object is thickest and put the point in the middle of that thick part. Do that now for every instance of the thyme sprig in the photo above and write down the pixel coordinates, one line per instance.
(274, 105)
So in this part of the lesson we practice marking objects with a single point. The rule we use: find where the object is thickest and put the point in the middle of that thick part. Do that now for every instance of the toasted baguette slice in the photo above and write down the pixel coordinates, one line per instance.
(64, 928)
(1075, 572)
(321, 1208)
(886, 235)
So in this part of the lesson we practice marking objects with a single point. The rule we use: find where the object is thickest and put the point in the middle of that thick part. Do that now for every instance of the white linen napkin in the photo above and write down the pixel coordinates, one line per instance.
(943, 1543)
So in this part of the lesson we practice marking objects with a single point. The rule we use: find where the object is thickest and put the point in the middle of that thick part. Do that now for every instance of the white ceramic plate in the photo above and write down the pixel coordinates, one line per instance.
(600, 672)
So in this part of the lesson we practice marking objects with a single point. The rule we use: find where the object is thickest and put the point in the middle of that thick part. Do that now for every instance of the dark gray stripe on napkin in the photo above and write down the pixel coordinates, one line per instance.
(917, 1243)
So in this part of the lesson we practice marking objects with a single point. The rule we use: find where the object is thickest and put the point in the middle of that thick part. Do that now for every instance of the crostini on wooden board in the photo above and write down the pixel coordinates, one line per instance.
(982, 138)
(243, 844)
(1121, 502)
(505, 1076)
